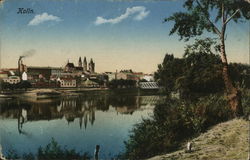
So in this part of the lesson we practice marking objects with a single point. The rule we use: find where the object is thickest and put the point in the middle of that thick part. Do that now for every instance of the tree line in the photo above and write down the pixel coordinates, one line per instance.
(199, 71)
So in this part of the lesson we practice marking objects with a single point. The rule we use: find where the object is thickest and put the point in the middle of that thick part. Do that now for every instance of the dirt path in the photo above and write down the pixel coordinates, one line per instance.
(225, 141)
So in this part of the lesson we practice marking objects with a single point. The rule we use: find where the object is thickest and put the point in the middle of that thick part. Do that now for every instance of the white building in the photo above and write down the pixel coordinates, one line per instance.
(67, 82)
(149, 78)
(24, 76)
(12, 79)
(111, 75)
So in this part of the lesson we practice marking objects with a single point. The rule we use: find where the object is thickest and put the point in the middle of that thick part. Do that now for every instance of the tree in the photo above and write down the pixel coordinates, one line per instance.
(203, 67)
(170, 69)
(204, 15)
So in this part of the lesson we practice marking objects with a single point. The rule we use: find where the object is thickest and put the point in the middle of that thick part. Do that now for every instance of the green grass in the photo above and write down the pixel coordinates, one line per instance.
(225, 141)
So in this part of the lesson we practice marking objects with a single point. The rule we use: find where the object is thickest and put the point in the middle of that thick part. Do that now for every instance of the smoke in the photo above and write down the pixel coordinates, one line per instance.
(28, 53)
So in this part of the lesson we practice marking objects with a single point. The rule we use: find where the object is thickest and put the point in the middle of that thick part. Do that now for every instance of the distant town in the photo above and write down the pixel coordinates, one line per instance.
(81, 75)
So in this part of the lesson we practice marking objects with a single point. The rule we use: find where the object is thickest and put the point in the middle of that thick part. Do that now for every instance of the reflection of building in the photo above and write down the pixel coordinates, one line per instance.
(70, 108)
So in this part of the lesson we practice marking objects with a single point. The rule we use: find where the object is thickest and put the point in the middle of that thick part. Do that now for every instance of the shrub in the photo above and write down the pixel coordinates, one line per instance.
(174, 122)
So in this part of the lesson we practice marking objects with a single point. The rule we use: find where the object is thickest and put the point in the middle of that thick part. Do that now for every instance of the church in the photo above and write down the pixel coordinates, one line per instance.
(83, 66)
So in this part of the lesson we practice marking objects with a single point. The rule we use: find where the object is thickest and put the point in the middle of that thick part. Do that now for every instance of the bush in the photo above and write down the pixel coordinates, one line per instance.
(51, 151)
(174, 122)
(245, 102)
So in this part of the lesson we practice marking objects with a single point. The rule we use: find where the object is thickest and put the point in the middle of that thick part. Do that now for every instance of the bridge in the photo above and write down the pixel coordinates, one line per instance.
(148, 85)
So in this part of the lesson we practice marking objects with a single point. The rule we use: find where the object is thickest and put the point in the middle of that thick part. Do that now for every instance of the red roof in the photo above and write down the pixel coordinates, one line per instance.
(3, 72)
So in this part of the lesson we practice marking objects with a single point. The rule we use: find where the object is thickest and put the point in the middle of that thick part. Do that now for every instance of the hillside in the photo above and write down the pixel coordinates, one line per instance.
(225, 141)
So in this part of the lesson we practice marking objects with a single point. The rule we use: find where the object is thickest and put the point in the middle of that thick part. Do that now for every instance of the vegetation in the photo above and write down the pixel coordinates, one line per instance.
(224, 141)
(199, 71)
(51, 151)
(197, 76)
(20, 85)
(173, 122)
(121, 83)
(205, 16)
(176, 121)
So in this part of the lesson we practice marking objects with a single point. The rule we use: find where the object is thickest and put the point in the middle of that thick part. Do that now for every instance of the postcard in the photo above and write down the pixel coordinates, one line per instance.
(124, 79)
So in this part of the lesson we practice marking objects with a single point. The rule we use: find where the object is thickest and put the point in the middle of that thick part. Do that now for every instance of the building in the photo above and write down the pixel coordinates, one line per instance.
(90, 84)
(12, 79)
(148, 77)
(3, 74)
(38, 72)
(91, 66)
(70, 67)
(129, 75)
(82, 67)
(56, 72)
(24, 76)
(85, 64)
(111, 75)
(67, 82)
(21, 67)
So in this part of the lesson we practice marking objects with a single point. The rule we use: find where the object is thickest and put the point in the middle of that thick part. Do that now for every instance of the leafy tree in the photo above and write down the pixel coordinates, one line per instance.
(169, 71)
(203, 67)
(199, 71)
(207, 15)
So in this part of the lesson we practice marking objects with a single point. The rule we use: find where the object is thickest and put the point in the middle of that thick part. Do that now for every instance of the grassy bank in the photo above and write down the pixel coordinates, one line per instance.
(225, 141)
(176, 121)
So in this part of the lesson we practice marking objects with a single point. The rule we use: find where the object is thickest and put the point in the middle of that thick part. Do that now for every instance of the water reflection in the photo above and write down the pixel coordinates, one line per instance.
(110, 117)
(70, 108)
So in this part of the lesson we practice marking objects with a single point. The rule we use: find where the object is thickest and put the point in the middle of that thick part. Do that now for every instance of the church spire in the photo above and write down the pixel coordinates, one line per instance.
(91, 66)
(85, 64)
(80, 62)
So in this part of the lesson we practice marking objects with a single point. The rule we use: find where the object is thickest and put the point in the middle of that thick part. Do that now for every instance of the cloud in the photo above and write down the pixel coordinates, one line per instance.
(140, 13)
(41, 18)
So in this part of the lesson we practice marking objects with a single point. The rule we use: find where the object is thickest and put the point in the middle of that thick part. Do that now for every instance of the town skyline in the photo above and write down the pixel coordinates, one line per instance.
(117, 35)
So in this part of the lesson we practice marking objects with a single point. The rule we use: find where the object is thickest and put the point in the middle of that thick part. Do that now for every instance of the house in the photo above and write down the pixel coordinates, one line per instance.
(148, 77)
(111, 75)
(67, 82)
(12, 80)
(90, 84)
(3, 74)
(129, 75)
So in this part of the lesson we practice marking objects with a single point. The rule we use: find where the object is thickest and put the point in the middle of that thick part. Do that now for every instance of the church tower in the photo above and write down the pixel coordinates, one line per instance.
(80, 62)
(85, 64)
(91, 66)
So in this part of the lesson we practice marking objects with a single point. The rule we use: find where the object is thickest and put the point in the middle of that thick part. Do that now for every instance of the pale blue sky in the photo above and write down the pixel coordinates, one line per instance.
(66, 30)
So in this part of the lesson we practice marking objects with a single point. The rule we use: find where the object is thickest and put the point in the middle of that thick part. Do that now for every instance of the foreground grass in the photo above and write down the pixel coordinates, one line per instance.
(225, 141)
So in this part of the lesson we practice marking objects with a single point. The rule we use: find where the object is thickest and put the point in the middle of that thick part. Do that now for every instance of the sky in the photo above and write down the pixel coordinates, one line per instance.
(117, 34)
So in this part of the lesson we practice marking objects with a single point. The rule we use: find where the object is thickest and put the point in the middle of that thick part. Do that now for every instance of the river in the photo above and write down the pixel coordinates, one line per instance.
(77, 122)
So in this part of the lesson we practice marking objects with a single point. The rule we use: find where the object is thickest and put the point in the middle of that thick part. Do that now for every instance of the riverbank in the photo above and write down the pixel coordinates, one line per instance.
(225, 141)
(74, 91)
